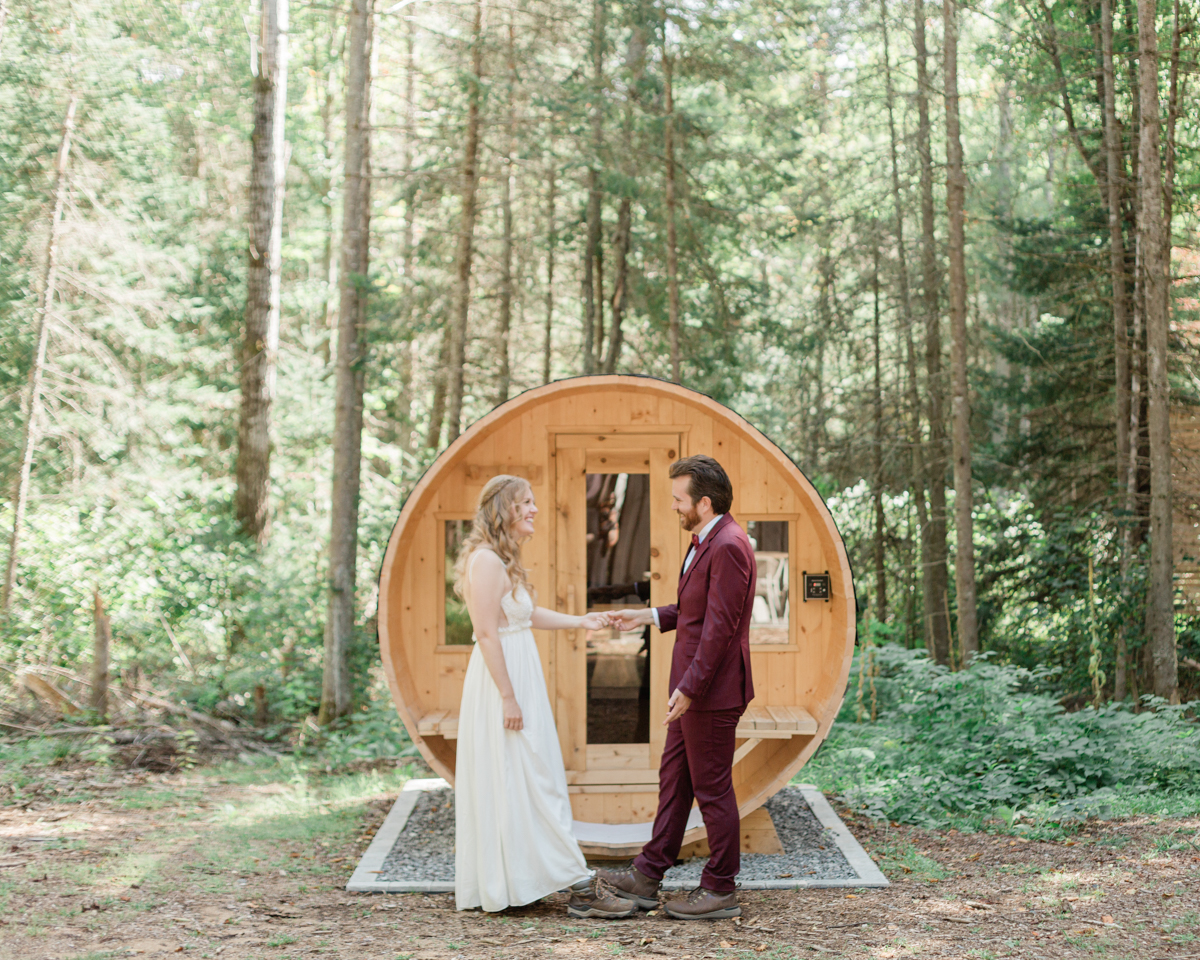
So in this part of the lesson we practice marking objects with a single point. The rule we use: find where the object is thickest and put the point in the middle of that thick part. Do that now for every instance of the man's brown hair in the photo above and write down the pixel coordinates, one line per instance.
(706, 478)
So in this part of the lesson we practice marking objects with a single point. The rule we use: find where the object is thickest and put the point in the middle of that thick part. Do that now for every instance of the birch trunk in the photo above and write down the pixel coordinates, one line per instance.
(672, 255)
(877, 458)
(260, 347)
(956, 183)
(1114, 166)
(937, 562)
(348, 415)
(592, 280)
(917, 485)
(506, 249)
(551, 243)
(333, 53)
(1154, 249)
(409, 358)
(33, 410)
(466, 231)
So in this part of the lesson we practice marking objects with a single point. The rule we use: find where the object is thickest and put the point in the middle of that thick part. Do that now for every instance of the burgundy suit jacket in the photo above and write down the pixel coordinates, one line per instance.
(711, 660)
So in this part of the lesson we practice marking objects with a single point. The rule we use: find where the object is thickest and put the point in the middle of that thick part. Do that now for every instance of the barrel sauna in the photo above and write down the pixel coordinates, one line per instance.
(596, 451)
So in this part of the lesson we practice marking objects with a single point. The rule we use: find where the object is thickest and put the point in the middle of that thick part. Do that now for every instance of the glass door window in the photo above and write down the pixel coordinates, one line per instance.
(618, 576)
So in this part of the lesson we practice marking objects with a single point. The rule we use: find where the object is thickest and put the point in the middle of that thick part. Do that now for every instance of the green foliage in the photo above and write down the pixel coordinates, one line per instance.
(372, 732)
(992, 741)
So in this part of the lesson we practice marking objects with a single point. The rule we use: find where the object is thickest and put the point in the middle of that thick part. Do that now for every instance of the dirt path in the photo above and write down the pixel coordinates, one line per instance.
(214, 864)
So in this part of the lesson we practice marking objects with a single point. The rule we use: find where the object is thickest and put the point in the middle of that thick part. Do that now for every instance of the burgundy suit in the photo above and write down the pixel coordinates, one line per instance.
(711, 665)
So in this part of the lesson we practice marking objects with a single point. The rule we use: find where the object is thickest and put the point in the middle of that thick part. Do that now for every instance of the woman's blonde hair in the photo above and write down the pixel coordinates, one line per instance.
(492, 527)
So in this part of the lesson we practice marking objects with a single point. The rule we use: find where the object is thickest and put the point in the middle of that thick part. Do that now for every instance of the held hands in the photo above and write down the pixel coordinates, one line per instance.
(677, 706)
(595, 621)
(629, 619)
(513, 718)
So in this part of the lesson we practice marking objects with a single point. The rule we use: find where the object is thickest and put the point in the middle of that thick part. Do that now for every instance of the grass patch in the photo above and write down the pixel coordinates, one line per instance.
(901, 858)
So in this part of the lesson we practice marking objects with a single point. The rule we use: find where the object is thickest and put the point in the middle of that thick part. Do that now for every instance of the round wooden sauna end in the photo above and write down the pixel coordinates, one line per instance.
(596, 451)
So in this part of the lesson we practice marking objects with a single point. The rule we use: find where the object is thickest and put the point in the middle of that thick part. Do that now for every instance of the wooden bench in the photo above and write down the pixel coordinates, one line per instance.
(440, 723)
(757, 724)
(772, 723)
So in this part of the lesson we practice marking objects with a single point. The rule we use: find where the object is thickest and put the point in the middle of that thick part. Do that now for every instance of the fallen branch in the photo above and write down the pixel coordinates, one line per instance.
(203, 719)
(48, 693)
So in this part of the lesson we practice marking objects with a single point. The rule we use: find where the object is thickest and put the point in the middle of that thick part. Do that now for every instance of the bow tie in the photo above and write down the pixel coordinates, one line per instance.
(695, 541)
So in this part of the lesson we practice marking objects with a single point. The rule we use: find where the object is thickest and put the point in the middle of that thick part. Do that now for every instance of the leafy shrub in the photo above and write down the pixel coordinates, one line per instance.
(993, 738)
(373, 732)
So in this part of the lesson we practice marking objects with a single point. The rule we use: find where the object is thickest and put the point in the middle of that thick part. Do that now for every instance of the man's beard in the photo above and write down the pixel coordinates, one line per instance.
(689, 520)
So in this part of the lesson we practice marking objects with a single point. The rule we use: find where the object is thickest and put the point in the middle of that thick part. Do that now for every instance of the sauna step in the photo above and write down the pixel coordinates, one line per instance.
(760, 723)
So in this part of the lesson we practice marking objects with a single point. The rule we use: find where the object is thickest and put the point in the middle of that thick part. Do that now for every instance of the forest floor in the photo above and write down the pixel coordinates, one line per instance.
(248, 860)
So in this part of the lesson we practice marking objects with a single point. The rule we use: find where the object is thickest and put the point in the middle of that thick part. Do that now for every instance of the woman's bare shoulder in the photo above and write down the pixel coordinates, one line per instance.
(485, 558)
(484, 566)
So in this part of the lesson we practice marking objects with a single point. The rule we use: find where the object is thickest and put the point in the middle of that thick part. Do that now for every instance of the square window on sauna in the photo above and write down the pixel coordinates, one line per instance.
(769, 618)
(458, 621)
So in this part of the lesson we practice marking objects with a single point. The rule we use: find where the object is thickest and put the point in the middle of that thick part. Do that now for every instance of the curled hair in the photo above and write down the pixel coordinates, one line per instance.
(492, 528)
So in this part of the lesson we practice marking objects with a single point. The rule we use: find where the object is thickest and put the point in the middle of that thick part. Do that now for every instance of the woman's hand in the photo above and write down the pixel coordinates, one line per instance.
(513, 718)
(595, 621)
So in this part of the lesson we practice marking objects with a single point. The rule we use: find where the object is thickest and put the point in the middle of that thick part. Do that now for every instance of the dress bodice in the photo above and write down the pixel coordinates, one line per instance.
(518, 610)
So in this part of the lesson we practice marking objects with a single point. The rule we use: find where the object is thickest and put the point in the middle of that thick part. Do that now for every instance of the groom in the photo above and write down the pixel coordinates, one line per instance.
(710, 688)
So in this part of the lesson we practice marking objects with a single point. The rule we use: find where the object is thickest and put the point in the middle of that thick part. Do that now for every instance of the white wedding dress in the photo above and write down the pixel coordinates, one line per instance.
(513, 837)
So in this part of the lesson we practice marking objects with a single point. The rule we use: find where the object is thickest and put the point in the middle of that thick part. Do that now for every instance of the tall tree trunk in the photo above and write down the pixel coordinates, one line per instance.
(351, 373)
(101, 642)
(1160, 614)
(635, 64)
(1114, 181)
(1174, 92)
(937, 561)
(592, 280)
(956, 184)
(335, 48)
(672, 248)
(917, 485)
(466, 230)
(620, 294)
(268, 168)
(506, 247)
(551, 243)
(408, 239)
(881, 604)
(33, 410)
(441, 378)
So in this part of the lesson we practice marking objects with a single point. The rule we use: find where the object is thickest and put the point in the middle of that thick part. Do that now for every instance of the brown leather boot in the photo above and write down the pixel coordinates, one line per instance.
(703, 904)
(630, 882)
(592, 898)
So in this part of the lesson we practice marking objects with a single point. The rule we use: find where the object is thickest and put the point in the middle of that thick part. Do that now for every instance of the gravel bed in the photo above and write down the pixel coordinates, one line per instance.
(424, 851)
(810, 852)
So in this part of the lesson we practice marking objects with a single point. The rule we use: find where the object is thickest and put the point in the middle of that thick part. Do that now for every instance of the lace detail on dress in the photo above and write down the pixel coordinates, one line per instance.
(518, 611)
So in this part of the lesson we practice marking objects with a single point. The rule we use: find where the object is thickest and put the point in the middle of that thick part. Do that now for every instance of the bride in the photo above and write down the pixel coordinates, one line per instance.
(513, 839)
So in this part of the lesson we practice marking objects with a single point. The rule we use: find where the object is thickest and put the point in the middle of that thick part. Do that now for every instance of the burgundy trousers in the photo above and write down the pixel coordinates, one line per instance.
(697, 763)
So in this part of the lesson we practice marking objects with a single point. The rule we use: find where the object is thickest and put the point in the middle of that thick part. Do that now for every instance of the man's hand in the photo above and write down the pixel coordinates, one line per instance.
(634, 617)
(677, 706)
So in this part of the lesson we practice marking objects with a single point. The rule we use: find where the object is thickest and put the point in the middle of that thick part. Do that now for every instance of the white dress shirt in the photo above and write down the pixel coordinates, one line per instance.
(704, 532)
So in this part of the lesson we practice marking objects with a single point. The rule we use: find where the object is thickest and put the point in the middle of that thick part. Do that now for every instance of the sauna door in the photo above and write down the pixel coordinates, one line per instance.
(618, 544)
